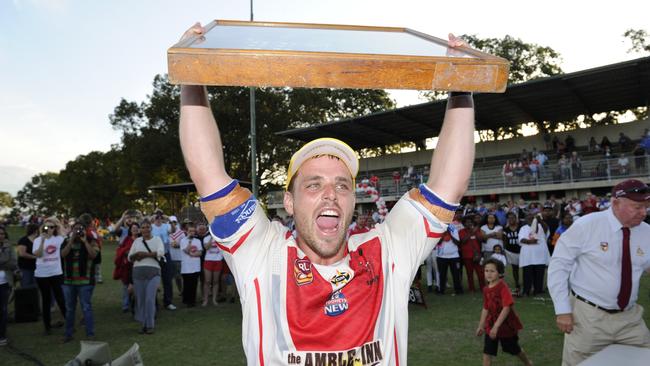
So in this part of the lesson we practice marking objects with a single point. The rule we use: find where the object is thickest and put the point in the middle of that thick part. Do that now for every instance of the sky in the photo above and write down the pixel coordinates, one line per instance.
(66, 64)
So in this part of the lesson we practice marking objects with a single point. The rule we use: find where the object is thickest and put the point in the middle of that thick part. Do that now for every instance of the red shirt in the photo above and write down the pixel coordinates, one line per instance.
(358, 230)
(494, 299)
(470, 246)
(589, 206)
(122, 264)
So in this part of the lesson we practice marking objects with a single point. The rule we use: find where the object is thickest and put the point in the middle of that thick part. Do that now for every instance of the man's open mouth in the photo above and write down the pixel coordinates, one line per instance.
(328, 221)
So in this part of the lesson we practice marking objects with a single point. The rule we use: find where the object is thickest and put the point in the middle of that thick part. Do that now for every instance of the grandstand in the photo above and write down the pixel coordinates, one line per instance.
(560, 98)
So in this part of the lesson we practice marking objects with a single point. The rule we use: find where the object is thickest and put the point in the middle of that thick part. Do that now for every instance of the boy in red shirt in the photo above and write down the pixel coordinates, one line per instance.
(499, 322)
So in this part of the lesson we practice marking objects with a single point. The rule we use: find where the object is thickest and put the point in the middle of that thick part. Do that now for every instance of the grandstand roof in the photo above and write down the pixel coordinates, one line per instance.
(558, 98)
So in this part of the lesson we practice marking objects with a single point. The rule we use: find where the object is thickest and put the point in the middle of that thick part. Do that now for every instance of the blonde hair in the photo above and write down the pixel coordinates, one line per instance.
(58, 228)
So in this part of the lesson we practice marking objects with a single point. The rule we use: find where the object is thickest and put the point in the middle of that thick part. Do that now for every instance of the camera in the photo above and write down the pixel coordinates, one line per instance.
(79, 232)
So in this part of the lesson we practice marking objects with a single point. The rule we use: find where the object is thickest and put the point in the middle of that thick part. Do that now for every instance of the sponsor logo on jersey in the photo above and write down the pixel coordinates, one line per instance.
(302, 271)
(193, 249)
(604, 246)
(246, 212)
(340, 278)
(50, 249)
(368, 354)
(336, 305)
(372, 280)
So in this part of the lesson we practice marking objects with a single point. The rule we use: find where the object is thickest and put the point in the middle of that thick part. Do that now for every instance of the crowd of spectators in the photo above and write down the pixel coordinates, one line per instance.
(561, 161)
(520, 234)
(531, 166)
(60, 259)
(508, 231)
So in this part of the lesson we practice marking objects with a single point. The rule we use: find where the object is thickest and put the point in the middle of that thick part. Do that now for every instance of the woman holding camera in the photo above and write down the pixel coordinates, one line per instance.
(49, 272)
(79, 252)
(145, 253)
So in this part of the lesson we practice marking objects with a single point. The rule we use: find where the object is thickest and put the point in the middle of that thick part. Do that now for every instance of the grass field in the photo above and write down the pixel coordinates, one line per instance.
(442, 334)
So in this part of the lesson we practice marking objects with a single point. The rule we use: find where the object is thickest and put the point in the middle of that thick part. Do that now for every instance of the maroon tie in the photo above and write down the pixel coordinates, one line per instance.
(626, 271)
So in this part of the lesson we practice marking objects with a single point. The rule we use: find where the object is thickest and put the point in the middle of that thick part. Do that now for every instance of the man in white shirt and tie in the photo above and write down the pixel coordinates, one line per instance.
(594, 276)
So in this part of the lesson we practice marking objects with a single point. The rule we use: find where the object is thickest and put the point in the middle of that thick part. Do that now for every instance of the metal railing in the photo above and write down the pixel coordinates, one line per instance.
(590, 169)
(594, 168)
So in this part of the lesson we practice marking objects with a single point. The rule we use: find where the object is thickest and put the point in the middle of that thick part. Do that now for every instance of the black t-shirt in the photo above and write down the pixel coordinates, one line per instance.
(511, 240)
(553, 223)
(26, 263)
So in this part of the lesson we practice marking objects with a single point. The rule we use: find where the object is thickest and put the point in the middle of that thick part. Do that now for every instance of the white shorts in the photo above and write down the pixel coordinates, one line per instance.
(513, 258)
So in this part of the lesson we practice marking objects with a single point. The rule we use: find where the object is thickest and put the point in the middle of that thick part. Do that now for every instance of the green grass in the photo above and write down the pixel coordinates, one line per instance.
(442, 334)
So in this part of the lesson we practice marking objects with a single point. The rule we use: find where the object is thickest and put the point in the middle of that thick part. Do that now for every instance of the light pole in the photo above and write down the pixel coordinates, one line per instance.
(253, 134)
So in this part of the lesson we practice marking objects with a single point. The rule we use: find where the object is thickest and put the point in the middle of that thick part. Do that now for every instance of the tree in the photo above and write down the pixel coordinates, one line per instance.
(150, 144)
(92, 183)
(639, 39)
(6, 201)
(42, 195)
(640, 43)
(528, 61)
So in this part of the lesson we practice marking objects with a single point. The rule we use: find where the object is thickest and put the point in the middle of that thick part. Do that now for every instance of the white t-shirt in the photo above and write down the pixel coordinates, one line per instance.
(213, 252)
(354, 309)
(190, 264)
(177, 236)
(447, 248)
(155, 244)
(488, 246)
(532, 254)
(49, 264)
(500, 257)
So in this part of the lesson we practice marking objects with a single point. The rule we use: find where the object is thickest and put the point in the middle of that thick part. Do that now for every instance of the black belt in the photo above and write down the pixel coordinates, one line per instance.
(611, 311)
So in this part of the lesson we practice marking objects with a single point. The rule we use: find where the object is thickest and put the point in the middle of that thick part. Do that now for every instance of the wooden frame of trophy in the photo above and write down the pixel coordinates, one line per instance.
(261, 54)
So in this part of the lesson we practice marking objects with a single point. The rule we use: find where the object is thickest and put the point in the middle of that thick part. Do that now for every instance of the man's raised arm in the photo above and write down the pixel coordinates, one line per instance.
(452, 161)
(199, 135)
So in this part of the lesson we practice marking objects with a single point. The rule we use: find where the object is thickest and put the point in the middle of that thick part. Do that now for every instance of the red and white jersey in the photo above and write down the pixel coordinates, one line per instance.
(212, 253)
(354, 312)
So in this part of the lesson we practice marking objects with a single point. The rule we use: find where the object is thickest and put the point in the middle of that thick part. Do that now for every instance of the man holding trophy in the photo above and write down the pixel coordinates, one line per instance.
(318, 297)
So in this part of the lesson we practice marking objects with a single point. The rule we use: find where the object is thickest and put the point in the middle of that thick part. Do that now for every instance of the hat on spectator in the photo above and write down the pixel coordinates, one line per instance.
(632, 189)
(548, 205)
(323, 146)
(173, 219)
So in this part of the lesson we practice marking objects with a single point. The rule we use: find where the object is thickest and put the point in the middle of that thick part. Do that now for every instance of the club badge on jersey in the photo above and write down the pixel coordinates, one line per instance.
(302, 271)
(340, 278)
(604, 246)
(337, 304)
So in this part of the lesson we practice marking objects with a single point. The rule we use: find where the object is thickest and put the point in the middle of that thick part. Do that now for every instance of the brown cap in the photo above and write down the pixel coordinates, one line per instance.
(632, 189)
